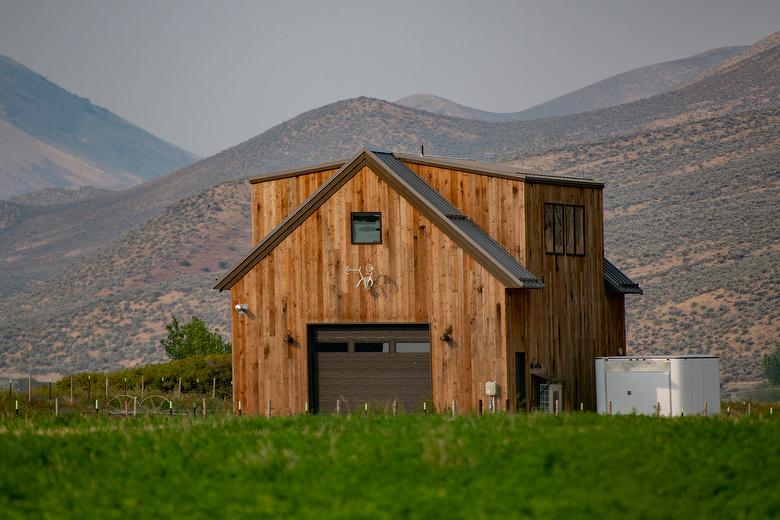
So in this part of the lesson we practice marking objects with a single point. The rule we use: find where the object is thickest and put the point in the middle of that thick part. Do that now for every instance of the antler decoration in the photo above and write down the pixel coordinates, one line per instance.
(367, 280)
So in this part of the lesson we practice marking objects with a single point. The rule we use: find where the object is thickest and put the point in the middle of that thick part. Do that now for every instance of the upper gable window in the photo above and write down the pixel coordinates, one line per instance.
(564, 229)
(366, 228)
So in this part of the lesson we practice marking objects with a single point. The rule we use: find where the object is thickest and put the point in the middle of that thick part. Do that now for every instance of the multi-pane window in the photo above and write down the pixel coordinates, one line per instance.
(564, 229)
(366, 228)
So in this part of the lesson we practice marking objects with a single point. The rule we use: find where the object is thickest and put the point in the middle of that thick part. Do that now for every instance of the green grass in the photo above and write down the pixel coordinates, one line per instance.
(579, 465)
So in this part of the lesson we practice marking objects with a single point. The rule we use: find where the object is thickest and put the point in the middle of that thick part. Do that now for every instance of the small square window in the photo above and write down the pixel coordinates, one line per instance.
(367, 228)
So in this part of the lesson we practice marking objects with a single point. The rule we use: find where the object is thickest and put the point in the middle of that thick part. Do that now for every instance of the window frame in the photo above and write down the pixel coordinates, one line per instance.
(352, 216)
(552, 247)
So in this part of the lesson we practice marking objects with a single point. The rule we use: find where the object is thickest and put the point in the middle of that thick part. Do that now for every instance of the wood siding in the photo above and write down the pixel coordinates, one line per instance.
(422, 277)
(563, 325)
(425, 278)
(615, 325)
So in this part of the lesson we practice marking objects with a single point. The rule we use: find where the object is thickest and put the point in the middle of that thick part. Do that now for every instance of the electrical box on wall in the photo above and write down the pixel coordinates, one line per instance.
(491, 388)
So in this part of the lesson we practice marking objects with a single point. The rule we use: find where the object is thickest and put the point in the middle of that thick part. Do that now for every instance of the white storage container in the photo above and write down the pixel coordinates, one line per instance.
(663, 385)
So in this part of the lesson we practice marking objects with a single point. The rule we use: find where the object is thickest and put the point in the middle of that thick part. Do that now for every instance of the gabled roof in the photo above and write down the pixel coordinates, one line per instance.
(459, 228)
(616, 281)
(465, 165)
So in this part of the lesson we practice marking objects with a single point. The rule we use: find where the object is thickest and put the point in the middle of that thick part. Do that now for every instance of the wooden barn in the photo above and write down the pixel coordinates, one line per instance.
(393, 277)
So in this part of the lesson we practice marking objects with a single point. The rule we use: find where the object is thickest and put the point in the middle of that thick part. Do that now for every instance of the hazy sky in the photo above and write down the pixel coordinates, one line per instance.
(208, 75)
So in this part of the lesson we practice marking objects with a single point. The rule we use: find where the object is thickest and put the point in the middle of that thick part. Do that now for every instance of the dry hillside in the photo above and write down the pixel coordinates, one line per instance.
(692, 189)
(691, 213)
(622, 88)
(64, 233)
(51, 138)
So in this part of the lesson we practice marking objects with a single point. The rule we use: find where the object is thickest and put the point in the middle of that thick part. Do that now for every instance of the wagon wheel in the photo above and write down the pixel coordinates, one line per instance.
(122, 405)
(154, 404)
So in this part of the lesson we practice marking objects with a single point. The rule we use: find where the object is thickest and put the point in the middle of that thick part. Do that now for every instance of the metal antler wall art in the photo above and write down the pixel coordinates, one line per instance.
(366, 279)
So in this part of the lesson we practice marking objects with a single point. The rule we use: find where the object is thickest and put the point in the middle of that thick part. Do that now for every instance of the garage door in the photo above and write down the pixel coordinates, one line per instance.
(374, 364)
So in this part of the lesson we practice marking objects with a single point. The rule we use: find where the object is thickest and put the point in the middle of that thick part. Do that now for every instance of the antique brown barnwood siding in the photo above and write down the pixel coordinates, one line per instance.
(563, 326)
(567, 323)
(429, 280)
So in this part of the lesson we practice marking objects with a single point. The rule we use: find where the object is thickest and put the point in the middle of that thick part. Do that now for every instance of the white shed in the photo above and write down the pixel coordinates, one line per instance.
(663, 385)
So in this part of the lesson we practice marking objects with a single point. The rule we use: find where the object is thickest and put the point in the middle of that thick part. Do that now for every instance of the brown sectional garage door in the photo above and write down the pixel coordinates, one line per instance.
(374, 364)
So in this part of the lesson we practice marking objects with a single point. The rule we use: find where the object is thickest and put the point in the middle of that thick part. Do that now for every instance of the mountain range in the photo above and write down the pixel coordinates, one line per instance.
(691, 185)
(51, 138)
(639, 83)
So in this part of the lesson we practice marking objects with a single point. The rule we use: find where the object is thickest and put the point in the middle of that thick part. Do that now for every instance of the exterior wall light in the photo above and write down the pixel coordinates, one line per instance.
(288, 338)
(446, 336)
(535, 364)
(242, 308)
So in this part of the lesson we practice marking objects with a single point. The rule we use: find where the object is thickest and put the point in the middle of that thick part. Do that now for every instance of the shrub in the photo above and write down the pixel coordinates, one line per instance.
(771, 366)
(193, 338)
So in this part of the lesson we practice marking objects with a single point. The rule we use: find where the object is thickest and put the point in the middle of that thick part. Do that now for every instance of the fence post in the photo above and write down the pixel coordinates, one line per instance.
(135, 405)
(204, 407)
(395, 407)
(56, 407)
(179, 391)
(705, 408)
(609, 412)
(453, 409)
(29, 388)
(107, 386)
(338, 406)
(142, 386)
(214, 388)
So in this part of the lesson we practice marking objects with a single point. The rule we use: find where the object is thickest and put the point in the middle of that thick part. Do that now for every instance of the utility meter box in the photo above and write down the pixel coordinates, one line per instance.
(658, 385)
(491, 388)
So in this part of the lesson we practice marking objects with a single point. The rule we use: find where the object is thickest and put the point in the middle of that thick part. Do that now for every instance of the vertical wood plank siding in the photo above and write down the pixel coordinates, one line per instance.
(419, 276)
(423, 277)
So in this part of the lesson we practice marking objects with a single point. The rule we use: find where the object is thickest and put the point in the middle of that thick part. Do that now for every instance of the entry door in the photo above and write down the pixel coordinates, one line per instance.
(374, 364)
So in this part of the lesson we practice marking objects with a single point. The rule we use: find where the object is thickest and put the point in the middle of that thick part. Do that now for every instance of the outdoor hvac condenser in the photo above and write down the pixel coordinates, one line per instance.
(663, 385)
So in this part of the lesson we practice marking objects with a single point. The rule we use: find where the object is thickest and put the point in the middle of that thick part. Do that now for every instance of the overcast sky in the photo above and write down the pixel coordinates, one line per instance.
(209, 75)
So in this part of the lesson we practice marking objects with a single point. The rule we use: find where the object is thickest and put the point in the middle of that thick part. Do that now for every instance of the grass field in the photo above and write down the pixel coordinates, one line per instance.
(578, 465)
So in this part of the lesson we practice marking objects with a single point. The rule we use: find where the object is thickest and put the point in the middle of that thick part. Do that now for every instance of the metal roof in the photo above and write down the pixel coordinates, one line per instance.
(616, 281)
(460, 221)
(465, 165)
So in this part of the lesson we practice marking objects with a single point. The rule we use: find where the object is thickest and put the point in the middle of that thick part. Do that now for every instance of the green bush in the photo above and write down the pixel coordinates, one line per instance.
(191, 339)
(197, 374)
(771, 366)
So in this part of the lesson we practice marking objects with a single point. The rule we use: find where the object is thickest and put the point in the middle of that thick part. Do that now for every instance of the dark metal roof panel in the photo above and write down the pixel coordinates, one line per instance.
(494, 249)
(616, 281)
(431, 196)
(468, 227)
